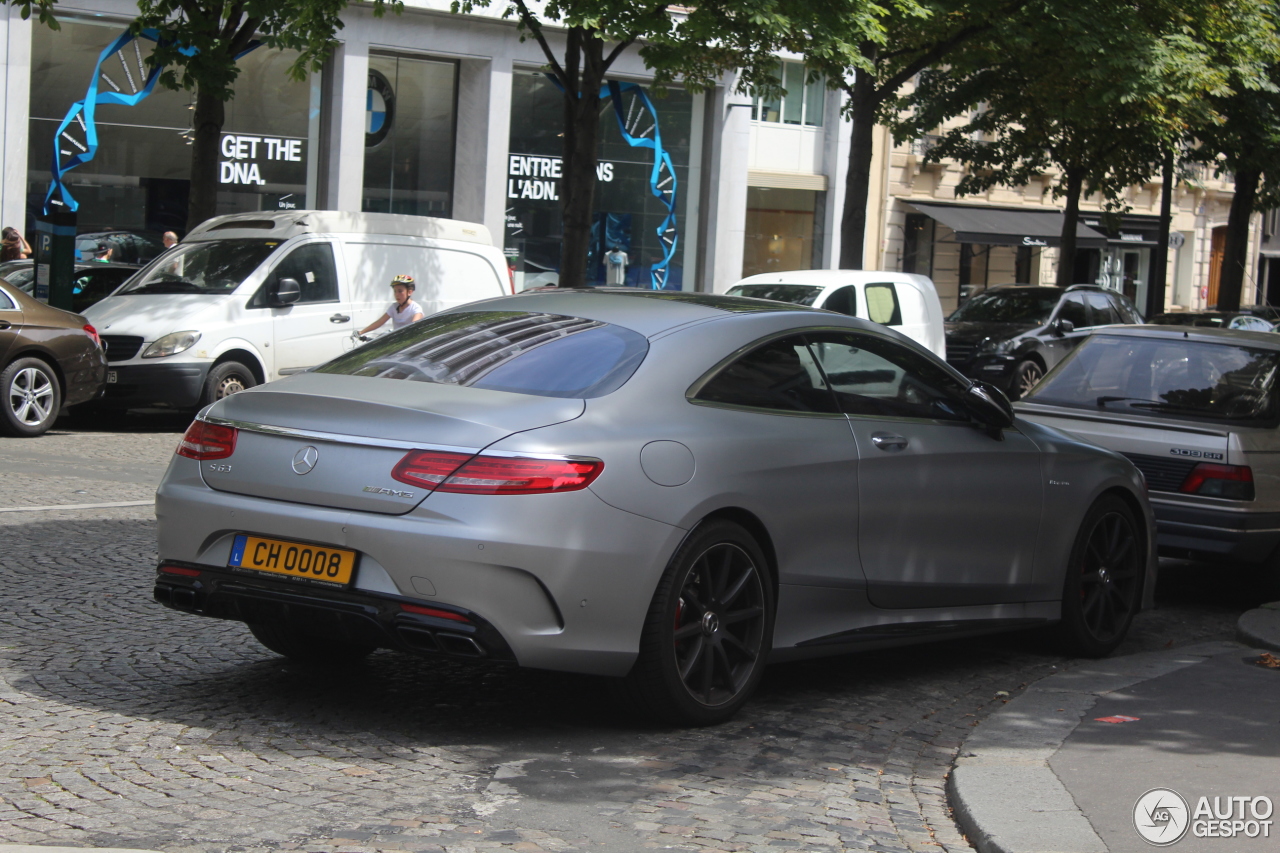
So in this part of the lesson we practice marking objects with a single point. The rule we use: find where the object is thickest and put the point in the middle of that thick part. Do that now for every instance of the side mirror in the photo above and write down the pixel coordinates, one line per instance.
(1063, 326)
(989, 407)
(285, 291)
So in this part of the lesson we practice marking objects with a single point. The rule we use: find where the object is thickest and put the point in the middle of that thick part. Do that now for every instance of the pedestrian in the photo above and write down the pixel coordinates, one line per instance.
(403, 311)
(103, 253)
(169, 239)
(12, 245)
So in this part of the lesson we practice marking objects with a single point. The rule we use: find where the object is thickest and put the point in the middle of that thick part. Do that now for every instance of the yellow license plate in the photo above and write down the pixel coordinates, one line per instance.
(293, 559)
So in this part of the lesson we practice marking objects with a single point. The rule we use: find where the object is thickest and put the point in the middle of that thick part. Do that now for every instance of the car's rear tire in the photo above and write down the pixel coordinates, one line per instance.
(1103, 585)
(707, 635)
(32, 397)
(225, 379)
(1025, 376)
(308, 645)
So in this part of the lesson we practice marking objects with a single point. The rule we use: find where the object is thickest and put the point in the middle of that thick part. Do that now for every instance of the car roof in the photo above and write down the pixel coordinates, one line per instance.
(1206, 334)
(645, 311)
(824, 278)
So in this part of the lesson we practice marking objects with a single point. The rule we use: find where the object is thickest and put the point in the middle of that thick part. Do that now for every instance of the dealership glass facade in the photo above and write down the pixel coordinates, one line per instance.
(630, 196)
(784, 230)
(139, 178)
(409, 136)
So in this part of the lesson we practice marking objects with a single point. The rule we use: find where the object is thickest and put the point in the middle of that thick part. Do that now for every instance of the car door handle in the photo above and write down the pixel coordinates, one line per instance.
(5, 324)
(887, 441)
(340, 318)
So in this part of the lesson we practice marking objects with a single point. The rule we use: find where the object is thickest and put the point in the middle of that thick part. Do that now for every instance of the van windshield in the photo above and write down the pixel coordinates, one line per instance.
(214, 268)
(800, 294)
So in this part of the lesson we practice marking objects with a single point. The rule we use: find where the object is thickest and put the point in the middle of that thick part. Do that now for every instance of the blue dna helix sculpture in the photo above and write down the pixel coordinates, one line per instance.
(83, 112)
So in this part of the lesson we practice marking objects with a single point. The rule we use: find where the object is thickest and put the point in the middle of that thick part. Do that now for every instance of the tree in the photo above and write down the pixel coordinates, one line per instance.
(220, 31)
(1242, 135)
(1097, 92)
(870, 51)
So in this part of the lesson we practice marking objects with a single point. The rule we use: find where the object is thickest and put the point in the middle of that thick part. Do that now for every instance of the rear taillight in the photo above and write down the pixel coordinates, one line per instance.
(181, 571)
(207, 441)
(442, 471)
(436, 612)
(428, 468)
(93, 333)
(1234, 482)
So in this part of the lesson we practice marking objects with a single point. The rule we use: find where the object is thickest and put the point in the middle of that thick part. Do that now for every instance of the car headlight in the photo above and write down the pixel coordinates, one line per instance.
(993, 345)
(171, 344)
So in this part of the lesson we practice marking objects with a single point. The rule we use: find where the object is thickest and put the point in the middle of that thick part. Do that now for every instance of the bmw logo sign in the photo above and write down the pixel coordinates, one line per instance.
(379, 110)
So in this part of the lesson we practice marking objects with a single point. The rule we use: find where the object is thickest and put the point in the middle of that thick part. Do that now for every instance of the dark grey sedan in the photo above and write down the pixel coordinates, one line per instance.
(669, 488)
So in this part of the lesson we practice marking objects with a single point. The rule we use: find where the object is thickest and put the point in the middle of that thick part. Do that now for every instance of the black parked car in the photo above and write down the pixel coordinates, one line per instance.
(1013, 334)
(91, 283)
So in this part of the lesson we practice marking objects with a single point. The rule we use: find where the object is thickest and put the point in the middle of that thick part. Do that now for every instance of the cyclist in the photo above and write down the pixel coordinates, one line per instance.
(403, 311)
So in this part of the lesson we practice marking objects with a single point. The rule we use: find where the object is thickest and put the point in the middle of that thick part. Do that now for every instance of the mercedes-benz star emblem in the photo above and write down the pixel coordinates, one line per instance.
(305, 459)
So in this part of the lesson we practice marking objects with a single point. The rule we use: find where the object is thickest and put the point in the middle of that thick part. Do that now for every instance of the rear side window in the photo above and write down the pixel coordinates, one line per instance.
(1072, 309)
(1101, 311)
(781, 376)
(6, 304)
(546, 355)
(882, 304)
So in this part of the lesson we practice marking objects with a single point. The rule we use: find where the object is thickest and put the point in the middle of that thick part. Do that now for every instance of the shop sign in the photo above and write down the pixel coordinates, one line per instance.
(379, 108)
(534, 177)
(1034, 241)
(243, 152)
(1131, 238)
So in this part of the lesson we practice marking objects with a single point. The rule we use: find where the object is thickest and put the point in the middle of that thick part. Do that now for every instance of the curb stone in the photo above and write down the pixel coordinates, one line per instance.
(1005, 796)
(1260, 628)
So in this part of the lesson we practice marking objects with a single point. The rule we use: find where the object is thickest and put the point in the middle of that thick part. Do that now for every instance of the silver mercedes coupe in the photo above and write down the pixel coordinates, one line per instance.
(669, 488)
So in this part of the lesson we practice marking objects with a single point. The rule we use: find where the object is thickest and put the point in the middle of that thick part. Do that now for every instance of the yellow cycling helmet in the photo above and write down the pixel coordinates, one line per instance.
(406, 280)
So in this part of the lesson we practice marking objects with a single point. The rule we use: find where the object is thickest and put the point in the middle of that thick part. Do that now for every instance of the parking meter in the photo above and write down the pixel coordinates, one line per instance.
(55, 258)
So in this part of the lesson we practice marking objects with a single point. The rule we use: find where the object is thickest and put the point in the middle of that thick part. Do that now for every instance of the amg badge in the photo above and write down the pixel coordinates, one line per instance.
(393, 492)
(1198, 454)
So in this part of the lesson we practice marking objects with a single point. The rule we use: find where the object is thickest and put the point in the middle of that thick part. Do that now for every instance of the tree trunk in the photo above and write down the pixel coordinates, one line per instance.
(1070, 218)
(857, 187)
(580, 155)
(1235, 254)
(210, 114)
(1160, 257)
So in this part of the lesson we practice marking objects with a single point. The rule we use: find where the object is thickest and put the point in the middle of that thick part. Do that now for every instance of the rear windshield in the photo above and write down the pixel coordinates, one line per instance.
(1176, 378)
(547, 355)
(212, 267)
(1009, 306)
(800, 294)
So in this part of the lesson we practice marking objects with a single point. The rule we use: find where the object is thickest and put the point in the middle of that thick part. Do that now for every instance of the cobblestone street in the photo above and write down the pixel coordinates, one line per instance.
(126, 724)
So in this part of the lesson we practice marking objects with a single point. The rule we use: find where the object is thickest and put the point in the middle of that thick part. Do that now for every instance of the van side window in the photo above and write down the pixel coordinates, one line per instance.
(882, 304)
(844, 301)
(313, 268)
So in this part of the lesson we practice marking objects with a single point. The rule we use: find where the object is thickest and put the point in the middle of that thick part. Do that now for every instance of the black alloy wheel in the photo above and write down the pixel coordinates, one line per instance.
(708, 631)
(1104, 580)
(1025, 377)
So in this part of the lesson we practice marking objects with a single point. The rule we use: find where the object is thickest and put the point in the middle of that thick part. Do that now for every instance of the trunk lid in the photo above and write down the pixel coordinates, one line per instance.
(1164, 451)
(358, 428)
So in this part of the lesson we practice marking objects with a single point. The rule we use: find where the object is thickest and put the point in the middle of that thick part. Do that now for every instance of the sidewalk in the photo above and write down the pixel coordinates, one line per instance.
(1044, 775)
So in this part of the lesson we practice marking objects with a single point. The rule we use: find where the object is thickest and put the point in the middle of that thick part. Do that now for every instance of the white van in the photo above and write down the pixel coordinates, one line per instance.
(251, 297)
(907, 302)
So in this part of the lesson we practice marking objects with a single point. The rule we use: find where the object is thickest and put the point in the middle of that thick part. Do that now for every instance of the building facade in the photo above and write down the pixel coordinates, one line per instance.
(431, 113)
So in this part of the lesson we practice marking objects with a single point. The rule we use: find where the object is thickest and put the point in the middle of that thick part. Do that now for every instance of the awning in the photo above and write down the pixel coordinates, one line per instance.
(996, 226)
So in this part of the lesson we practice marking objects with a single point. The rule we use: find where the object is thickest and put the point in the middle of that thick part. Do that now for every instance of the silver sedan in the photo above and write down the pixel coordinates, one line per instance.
(669, 488)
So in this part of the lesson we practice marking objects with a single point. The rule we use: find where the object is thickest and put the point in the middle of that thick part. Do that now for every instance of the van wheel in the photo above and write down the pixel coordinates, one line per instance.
(32, 397)
(226, 379)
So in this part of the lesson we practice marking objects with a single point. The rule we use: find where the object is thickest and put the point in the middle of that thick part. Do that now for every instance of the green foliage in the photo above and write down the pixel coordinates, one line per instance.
(222, 29)
(1093, 88)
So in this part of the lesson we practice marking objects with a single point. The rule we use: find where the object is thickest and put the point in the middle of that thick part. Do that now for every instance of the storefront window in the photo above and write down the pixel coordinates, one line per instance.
(140, 177)
(783, 230)
(631, 196)
(802, 103)
(409, 136)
